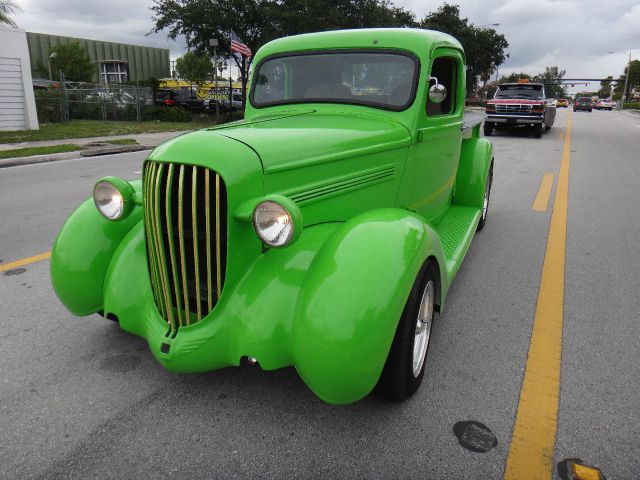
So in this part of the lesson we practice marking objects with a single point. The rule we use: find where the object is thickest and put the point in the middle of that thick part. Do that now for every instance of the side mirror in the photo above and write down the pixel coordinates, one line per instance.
(437, 92)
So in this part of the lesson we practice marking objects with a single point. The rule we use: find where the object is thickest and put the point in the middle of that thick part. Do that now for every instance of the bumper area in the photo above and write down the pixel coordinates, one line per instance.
(513, 120)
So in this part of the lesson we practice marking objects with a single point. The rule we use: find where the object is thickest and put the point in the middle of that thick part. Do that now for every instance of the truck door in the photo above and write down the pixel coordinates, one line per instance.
(432, 162)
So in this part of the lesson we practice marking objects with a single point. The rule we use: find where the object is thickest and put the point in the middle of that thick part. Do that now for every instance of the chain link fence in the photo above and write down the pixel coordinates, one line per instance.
(84, 101)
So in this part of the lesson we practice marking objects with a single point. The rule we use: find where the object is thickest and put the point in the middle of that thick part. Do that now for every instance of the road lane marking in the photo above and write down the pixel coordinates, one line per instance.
(533, 440)
(25, 261)
(541, 201)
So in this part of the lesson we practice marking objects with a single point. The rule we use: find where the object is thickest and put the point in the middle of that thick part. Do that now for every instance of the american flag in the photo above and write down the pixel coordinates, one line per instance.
(237, 45)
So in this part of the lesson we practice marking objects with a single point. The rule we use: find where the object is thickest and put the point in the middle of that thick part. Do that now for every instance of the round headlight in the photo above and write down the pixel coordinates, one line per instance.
(113, 197)
(273, 223)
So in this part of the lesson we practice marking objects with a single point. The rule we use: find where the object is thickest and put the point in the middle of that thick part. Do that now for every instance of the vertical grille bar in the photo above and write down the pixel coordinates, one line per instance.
(162, 265)
(185, 224)
(207, 213)
(153, 254)
(183, 264)
(194, 231)
(218, 266)
(172, 250)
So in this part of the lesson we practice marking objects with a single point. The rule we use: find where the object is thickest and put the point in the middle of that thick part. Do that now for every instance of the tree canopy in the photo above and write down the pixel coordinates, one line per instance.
(7, 8)
(195, 67)
(73, 60)
(259, 21)
(484, 47)
(634, 80)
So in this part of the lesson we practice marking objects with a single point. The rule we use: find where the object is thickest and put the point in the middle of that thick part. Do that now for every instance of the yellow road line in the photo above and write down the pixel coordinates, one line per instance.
(533, 440)
(25, 261)
(541, 201)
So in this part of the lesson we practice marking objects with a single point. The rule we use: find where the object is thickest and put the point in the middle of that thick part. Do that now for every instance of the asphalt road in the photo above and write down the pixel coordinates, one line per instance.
(82, 399)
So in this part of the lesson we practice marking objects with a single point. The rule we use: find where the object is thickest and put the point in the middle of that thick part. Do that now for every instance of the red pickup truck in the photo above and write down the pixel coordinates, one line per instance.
(520, 105)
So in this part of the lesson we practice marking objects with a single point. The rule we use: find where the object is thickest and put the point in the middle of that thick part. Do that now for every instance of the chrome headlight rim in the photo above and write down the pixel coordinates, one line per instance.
(289, 208)
(119, 187)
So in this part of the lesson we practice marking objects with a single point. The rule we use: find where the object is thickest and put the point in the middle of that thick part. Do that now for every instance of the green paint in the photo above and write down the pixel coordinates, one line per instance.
(377, 192)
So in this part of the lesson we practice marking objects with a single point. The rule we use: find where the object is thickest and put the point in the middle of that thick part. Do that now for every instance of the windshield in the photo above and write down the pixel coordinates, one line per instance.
(523, 90)
(383, 80)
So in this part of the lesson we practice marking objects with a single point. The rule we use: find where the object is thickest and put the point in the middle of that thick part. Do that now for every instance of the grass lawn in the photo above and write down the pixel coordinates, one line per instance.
(94, 128)
(121, 141)
(27, 152)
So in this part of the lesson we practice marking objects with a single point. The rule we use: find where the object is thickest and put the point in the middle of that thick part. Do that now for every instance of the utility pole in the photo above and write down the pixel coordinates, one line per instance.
(623, 97)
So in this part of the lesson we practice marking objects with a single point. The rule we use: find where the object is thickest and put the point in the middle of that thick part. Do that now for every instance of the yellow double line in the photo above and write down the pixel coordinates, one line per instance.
(534, 433)
(25, 261)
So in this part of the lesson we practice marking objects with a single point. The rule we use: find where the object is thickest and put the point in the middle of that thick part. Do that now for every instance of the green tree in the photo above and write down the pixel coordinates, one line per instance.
(552, 79)
(7, 8)
(634, 80)
(484, 47)
(259, 21)
(73, 61)
(195, 67)
(605, 88)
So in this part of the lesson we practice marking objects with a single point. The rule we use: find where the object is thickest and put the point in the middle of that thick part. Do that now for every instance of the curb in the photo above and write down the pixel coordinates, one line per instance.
(17, 161)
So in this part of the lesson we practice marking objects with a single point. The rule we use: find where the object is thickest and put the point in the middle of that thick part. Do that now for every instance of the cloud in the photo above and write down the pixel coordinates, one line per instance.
(575, 35)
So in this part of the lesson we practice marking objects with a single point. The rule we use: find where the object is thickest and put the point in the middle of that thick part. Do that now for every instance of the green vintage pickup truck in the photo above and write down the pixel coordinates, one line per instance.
(323, 231)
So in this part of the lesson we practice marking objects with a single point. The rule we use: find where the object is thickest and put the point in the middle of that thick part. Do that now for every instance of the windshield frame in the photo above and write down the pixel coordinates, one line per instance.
(300, 101)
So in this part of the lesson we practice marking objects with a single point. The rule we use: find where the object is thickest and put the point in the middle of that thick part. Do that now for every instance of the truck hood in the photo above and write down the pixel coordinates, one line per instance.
(308, 137)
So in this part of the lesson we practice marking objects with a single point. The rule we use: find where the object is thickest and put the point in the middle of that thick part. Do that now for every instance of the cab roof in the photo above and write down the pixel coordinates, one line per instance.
(415, 40)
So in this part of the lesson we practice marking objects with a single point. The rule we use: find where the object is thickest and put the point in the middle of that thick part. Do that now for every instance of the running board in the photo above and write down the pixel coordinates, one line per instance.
(456, 230)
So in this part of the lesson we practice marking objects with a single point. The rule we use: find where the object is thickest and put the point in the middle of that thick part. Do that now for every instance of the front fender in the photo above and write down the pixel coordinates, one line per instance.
(82, 252)
(352, 298)
(475, 161)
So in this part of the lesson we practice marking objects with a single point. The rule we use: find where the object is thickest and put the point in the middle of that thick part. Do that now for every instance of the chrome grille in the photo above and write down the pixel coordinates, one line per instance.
(186, 234)
(502, 108)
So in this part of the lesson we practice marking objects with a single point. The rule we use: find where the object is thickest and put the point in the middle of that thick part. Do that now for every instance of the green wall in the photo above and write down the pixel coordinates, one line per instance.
(144, 62)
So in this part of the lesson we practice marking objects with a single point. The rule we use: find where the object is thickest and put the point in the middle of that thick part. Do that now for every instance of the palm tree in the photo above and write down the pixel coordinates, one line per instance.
(8, 7)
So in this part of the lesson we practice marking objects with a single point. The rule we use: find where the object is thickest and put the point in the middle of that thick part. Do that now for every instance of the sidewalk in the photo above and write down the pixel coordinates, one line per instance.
(147, 139)
(92, 146)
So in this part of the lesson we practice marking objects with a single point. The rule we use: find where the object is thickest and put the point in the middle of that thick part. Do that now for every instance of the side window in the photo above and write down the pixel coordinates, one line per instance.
(445, 69)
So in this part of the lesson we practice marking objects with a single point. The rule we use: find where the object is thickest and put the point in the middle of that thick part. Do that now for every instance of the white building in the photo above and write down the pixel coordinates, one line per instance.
(17, 103)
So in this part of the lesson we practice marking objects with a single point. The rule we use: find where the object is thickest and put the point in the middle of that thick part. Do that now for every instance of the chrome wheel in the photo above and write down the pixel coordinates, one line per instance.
(485, 202)
(423, 328)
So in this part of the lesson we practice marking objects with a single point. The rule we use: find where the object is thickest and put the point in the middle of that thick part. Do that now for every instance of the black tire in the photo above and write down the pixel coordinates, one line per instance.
(547, 128)
(488, 129)
(397, 381)
(537, 130)
(487, 190)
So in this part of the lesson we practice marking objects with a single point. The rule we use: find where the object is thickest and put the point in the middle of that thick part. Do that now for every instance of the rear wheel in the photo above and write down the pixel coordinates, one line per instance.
(537, 130)
(547, 128)
(488, 129)
(405, 365)
(485, 200)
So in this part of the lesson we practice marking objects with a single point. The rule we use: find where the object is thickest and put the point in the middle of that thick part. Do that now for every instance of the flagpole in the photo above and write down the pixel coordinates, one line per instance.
(230, 76)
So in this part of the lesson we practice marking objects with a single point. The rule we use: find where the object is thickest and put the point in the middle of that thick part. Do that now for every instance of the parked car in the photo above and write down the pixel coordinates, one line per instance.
(179, 98)
(323, 231)
(583, 103)
(517, 105)
(562, 102)
(223, 105)
(605, 104)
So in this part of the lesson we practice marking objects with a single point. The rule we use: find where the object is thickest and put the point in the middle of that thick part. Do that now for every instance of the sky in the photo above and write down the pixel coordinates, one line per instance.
(575, 35)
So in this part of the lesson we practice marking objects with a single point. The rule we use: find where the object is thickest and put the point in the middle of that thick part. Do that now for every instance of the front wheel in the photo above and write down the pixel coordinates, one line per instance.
(405, 365)
(537, 130)
(488, 129)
